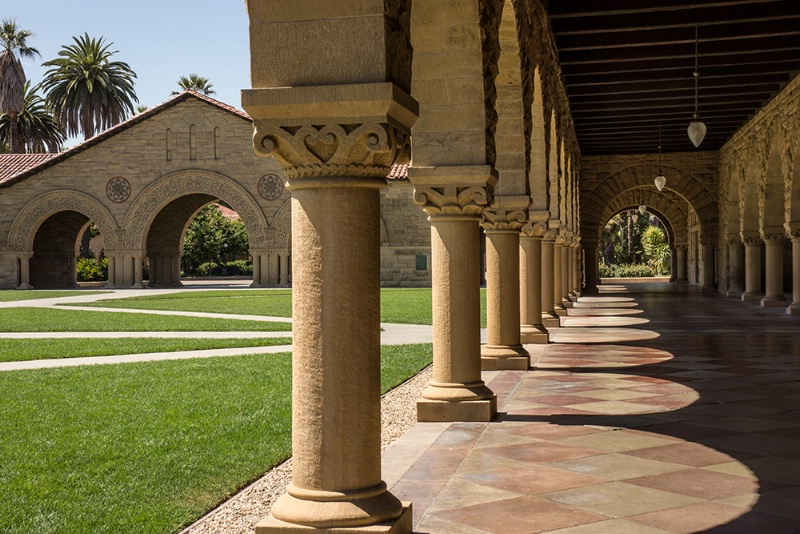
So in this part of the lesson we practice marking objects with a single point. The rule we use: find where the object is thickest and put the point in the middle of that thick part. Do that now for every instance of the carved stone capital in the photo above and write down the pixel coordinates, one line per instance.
(458, 191)
(773, 234)
(332, 131)
(534, 229)
(793, 230)
(734, 240)
(506, 214)
(550, 235)
(682, 247)
(752, 241)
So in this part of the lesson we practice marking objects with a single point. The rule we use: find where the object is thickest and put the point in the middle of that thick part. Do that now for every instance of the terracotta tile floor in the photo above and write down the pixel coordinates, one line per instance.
(657, 409)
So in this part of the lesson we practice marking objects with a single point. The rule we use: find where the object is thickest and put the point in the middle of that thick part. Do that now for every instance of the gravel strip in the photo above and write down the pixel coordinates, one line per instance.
(240, 514)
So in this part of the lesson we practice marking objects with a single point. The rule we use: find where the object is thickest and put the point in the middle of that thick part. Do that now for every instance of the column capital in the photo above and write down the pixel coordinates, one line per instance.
(506, 214)
(772, 234)
(792, 230)
(681, 246)
(751, 240)
(534, 229)
(357, 130)
(734, 239)
(453, 191)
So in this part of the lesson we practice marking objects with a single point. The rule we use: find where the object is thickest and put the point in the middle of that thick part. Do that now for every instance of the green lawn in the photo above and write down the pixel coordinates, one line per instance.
(398, 305)
(57, 320)
(19, 350)
(9, 295)
(146, 447)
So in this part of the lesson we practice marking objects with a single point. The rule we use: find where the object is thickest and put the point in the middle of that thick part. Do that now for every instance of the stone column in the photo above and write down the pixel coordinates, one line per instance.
(752, 268)
(454, 199)
(558, 276)
(590, 266)
(566, 272)
(673, 264)
(502, 223)
(284, 282)
(138, 271)
(336, 144)
(72, 271)
(681, 250)
(708, 265)
(774, 297)
(530, 268)
(575, 262)
(24, 271)
(794, 307)
(273, 265)
(112, 270)
(735, 266)
(256, 269)
(549, 317)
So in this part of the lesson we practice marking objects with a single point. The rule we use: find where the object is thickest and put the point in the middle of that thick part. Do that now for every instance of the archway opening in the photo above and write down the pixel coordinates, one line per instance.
(55, 250)
(218, 243)
(635, 245)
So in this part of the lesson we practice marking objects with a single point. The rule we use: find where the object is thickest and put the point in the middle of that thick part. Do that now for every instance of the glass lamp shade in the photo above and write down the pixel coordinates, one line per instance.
(635, 217)
(642, 208)
(661, 181)
(697, 132)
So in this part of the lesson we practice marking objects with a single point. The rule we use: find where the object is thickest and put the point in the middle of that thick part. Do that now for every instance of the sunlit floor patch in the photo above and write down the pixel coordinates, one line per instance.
(601, 335)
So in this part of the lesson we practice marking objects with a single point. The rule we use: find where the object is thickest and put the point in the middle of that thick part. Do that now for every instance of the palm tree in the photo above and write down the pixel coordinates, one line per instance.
(195, 83)
(37, 128)
(12, 76)
(88, 92)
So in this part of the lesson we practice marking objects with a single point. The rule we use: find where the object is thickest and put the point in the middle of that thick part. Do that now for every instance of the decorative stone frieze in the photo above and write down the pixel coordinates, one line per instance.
(23, 229)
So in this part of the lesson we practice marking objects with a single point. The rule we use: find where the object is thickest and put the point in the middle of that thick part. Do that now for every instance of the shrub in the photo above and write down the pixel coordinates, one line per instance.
(91, 270)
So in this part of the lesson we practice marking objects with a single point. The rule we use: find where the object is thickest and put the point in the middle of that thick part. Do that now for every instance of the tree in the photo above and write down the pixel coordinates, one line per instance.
(12, 75)
(211, 237)
(36, 127)
(656, 249)
(195, 83)
(88, 92)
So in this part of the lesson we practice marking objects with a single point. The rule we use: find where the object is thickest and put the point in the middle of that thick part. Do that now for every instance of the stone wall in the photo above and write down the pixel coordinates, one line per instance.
(408, 237)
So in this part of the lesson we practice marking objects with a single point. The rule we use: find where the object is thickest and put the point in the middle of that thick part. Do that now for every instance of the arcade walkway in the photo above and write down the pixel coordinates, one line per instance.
(658, 409)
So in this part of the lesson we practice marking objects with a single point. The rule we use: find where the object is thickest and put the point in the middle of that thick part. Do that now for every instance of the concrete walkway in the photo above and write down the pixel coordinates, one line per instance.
(392, 334)
(685, 420)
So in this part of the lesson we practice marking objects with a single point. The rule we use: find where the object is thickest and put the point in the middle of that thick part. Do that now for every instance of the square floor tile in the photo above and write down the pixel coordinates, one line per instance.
(617, 466)
(543, 451)
(699, 483)
(685, 453)
(618, 499)
(524, 515)
(617, 440)
(711, 517)
(532, 480)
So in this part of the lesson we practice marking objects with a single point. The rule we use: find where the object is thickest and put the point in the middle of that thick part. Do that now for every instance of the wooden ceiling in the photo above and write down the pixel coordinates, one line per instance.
(628, 65)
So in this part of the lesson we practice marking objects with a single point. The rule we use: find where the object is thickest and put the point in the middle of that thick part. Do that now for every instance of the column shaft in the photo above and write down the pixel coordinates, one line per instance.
(549, 317)
(774, 270)
(25, 272)
(735, 268)
(285, 269)
(558, 275)
(256, 270)
(708, 267)
(794, 307)
(336, 463)
(681, 265)
(566, 276)
(752, 269)
(590, 266)
(503, 349)
(530, 266)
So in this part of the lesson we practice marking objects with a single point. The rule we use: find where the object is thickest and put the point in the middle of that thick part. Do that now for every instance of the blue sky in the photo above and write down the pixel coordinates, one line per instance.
(160, 40)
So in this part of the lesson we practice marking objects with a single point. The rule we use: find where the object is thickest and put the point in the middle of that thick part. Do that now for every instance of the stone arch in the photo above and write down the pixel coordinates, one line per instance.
(772, 208)
(30, 218)
(732, 214)
(512, 137)
(540, 194)
(553, 170)
(173, 186)
(282, 227)
(793, 187)
(668, 209)
(681, 186)
(748, 200)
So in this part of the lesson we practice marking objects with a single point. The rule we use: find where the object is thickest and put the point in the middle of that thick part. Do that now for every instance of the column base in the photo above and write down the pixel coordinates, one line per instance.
(735, 293)
(566, 303)
(473, 411)
(561, 312)
(752, 296)
(707, 288)
(534, 334)
(505, 358)
(551, 320)
(774, 302)
(401, 525)
(682, 281)
(793, 308)
(25, 286)
(254, 284)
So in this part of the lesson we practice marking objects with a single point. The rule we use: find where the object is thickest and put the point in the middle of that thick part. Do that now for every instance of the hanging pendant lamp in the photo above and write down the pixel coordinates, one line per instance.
(660, 180)
(642, 207)
(696, 130)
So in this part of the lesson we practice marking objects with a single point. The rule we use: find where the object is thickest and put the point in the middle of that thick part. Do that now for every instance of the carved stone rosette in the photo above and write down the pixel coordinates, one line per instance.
(453, 192)
(356, 131)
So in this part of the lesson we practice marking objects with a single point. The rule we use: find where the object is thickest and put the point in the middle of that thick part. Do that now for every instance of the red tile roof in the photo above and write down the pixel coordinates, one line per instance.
(13, 164)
